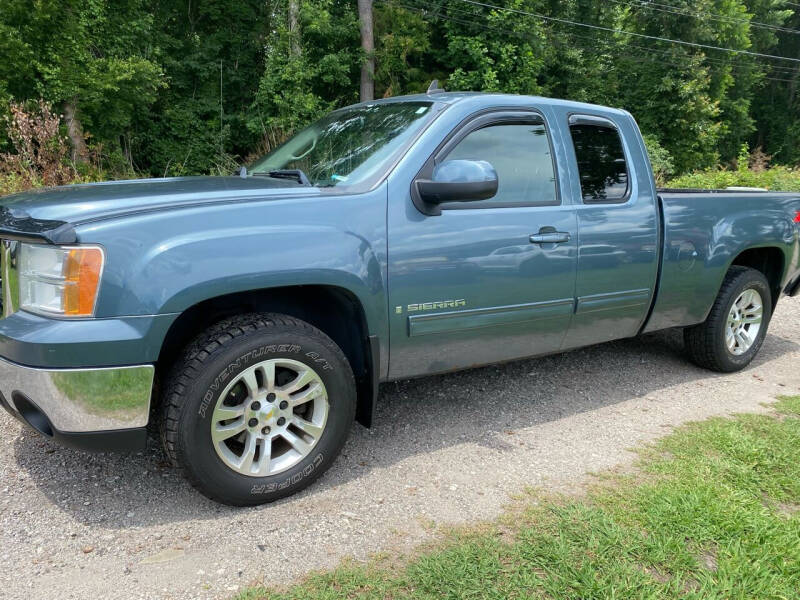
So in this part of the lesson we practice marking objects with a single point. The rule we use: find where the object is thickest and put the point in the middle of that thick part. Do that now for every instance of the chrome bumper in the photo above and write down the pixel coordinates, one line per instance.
(77, 400)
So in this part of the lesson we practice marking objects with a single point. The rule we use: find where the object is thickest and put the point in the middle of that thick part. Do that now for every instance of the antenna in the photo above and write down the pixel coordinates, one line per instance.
(434, 88)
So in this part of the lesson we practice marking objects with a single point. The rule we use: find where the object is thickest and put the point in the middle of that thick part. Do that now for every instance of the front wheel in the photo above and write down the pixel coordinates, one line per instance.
(735, 329)
(258, 407)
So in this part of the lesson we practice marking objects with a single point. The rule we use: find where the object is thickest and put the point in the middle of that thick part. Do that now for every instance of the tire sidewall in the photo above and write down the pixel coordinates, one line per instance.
(195, 446)
(748, 280)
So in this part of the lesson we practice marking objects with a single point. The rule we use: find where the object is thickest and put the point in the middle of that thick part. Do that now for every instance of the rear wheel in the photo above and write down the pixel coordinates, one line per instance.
(734, 331)
(258, 407)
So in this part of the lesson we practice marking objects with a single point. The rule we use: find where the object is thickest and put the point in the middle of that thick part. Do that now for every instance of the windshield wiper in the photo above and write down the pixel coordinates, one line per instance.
(295, 174)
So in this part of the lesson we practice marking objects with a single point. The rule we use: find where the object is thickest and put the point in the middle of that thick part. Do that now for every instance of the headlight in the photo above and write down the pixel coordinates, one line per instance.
(59, 281)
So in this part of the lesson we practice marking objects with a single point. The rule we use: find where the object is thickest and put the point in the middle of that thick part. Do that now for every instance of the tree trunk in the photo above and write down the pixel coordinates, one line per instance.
(368, 45)
(294, 28)
(80, 153)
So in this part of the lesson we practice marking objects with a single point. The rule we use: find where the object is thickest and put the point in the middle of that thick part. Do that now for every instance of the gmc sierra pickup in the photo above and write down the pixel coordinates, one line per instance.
(251, 318)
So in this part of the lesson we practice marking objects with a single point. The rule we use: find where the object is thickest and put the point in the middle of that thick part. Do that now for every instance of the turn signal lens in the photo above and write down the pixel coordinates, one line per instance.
(82, 278)
(59, 281)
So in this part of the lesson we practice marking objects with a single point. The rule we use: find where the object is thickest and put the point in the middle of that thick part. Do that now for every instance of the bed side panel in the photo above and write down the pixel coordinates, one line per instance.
(703, 235)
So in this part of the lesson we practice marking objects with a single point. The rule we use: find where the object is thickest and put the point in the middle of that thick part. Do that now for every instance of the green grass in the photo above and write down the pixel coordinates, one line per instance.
(709, 512)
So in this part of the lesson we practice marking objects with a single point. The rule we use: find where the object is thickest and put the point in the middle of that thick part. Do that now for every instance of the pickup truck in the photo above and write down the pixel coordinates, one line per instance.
(251, 318)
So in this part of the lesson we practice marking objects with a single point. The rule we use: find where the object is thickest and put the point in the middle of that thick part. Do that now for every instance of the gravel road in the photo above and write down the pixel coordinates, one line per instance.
(448, 449)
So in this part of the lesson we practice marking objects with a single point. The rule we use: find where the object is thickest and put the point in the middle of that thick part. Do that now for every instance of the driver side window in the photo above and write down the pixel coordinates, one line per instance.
(521, 155)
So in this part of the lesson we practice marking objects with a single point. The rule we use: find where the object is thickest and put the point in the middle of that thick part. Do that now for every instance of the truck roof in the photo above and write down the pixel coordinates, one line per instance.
(489, 99)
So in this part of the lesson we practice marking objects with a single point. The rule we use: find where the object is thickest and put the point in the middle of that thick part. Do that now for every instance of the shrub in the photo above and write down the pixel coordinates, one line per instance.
(660, 159)
(778, 178)
(40, 153)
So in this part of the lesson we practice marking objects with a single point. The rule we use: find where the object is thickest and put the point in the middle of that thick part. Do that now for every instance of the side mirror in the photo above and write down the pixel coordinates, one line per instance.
(457, 181)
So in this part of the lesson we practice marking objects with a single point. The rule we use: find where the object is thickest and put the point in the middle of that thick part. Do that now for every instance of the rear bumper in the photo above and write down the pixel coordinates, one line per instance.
(96, 409)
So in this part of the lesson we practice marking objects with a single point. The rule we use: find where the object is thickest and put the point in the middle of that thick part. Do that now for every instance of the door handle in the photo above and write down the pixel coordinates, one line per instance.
(549, 237)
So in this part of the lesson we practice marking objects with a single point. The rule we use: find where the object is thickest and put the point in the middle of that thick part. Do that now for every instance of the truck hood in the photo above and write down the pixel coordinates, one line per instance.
(49, 214)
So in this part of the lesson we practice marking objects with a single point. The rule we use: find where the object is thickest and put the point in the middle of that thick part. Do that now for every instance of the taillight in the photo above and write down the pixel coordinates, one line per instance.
(797, 217)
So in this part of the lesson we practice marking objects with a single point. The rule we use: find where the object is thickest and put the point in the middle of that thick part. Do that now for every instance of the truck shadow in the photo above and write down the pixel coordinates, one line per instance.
(416, 416)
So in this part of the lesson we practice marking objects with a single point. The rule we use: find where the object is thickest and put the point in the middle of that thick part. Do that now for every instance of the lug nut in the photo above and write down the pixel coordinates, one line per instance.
(284, 404)
(270, 397)
(252, 422)
(265, 430)
(281, 421)
(255, 406)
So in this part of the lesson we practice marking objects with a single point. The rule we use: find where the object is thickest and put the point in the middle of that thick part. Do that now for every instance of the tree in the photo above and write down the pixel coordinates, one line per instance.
(294, 27)
(212, 54)
(297, 86)
(184, 87)
(368, 46)
(88, 58)
(778, 103)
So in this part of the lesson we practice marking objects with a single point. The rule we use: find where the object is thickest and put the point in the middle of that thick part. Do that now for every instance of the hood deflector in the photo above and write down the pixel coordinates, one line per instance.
(18, 225)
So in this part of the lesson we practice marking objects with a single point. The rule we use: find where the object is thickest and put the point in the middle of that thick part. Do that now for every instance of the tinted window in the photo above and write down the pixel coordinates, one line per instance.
(520, 153)
(601, 163)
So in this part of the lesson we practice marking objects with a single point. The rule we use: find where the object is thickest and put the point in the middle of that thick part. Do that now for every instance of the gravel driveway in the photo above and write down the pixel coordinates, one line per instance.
(448, 449)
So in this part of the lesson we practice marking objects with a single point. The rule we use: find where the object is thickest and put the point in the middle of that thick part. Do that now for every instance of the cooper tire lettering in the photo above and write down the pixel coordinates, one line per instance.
(266, 488)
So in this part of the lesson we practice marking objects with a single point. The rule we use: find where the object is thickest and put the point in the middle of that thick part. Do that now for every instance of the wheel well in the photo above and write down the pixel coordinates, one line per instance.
(767, 260)
(333, 310)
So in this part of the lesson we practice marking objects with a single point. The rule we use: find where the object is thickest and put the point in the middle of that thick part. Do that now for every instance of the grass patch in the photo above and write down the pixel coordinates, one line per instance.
(712, 512)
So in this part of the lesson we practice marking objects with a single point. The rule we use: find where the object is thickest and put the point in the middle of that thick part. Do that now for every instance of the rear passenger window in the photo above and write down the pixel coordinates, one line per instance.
(520, 153)
(601, 163)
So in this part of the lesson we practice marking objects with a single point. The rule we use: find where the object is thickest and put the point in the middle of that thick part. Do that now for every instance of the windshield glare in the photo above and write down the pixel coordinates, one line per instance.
(348, 146)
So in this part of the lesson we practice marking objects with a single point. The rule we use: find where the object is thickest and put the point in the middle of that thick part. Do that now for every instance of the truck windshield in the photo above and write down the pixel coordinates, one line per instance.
(348, 146)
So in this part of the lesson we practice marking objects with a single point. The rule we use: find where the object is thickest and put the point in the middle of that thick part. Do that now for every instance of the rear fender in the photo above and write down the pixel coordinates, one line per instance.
(700, 247)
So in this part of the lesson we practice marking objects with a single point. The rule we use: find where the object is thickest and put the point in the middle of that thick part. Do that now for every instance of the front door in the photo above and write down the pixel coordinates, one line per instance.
(484, 281)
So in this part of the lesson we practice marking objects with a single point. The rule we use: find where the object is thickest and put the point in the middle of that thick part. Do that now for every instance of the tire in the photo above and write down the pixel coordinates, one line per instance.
(707, 343)
(257, 352)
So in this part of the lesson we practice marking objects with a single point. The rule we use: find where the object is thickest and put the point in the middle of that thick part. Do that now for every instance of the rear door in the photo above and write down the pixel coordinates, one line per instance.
(618, 241)
(472, 286)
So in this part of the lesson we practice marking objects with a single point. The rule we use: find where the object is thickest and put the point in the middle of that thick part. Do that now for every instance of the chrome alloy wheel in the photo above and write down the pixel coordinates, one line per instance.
(744, 322)
(269, 417)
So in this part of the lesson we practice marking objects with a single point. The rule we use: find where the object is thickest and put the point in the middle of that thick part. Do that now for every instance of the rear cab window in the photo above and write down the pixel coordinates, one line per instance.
(602, 168)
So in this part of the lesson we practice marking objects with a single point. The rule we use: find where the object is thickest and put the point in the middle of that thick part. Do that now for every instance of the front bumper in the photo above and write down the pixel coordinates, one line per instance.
(96, 409)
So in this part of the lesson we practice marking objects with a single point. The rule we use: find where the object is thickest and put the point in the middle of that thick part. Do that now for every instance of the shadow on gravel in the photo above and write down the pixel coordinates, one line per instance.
(414, 417)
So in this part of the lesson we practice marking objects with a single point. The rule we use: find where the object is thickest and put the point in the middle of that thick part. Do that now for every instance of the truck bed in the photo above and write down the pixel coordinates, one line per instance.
(702, 230)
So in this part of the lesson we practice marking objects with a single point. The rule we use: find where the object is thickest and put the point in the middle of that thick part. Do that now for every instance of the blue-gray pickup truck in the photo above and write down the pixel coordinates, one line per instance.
(250, 319)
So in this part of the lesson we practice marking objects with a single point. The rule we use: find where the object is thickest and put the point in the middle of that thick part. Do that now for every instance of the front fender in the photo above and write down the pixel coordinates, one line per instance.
(166, 262)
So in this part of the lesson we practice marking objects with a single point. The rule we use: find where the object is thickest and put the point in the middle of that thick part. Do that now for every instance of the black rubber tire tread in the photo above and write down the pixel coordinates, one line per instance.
(704, 342)
(192, 363)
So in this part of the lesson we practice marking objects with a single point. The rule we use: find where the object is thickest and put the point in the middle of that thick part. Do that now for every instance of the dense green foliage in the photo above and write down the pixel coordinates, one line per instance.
(749, 172)
(711, 513)
(179, 87)
(779, 178)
